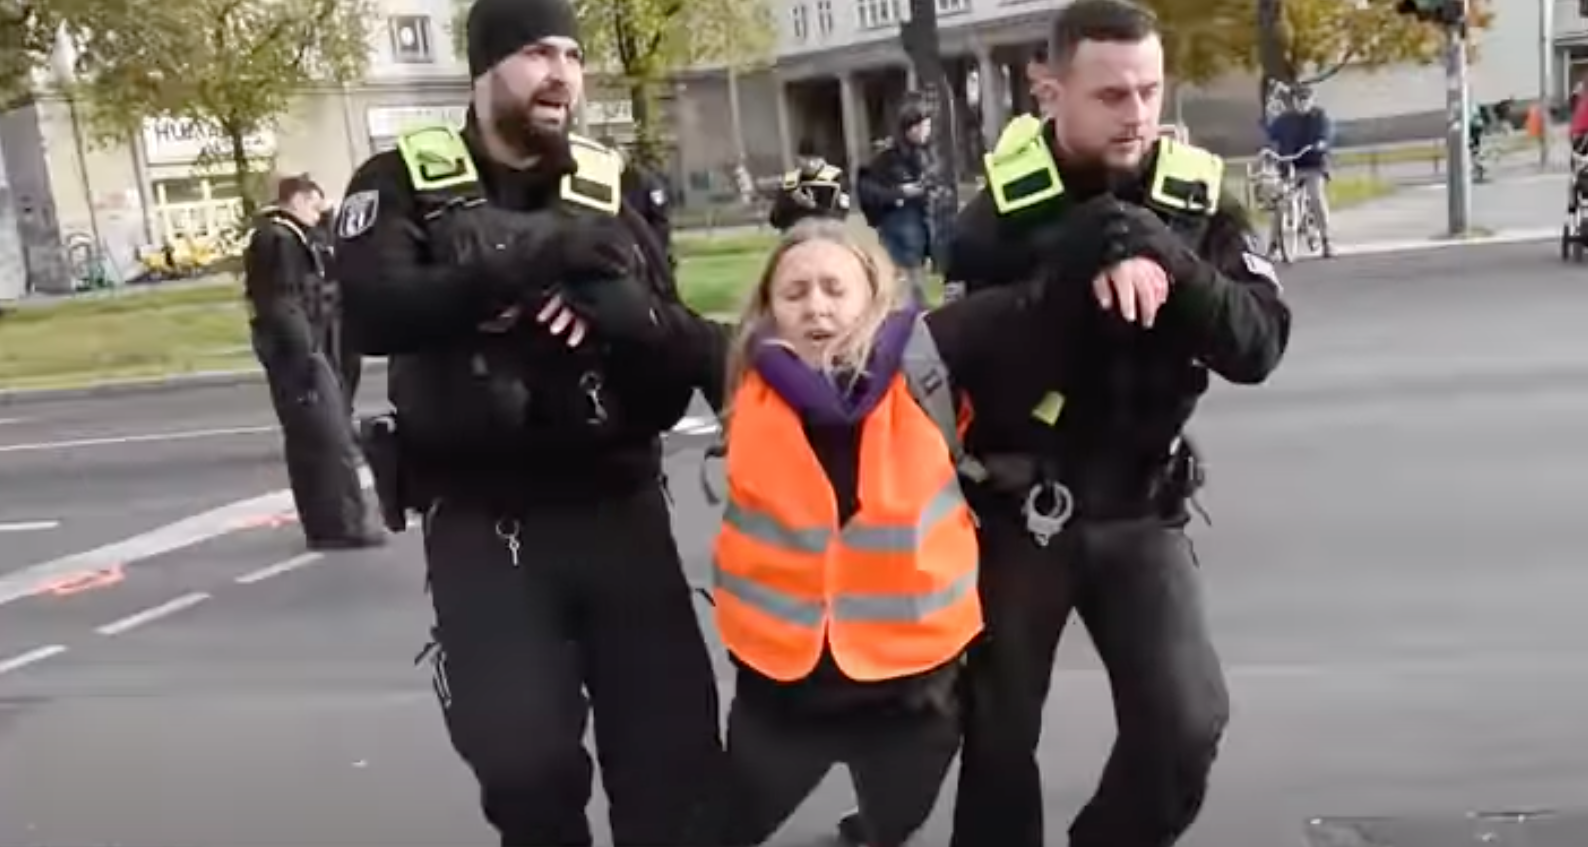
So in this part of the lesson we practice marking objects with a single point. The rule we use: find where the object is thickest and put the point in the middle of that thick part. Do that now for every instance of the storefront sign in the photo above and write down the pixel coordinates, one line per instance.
(385, 123)
(169, 141)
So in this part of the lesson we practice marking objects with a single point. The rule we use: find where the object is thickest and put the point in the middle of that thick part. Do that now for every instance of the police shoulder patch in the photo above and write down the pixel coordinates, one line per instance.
(357, 214)
(1260, 267)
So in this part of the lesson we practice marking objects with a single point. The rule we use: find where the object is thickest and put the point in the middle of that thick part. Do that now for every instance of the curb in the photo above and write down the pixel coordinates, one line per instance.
(1517, 236)
(151, 385)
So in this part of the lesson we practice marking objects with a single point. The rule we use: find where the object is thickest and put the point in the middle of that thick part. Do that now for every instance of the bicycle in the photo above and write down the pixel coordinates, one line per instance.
(1278, 191)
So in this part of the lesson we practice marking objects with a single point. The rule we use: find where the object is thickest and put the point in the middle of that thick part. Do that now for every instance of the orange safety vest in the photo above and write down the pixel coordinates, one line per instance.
(893, 592)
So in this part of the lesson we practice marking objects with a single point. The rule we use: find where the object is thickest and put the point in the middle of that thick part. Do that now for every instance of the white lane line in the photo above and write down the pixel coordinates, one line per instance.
(9, 421)
(153, 614)
(113, 440)
(184, 533)
(28, 526)
(279, 568)
(19, 662)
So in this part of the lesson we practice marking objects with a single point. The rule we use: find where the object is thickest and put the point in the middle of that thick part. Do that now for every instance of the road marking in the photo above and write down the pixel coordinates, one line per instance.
(9, 421)
(184, 533)
(113, 440)
(28, 526)
(153, 614)
(86, 582)
(279, 568)
(30, 657)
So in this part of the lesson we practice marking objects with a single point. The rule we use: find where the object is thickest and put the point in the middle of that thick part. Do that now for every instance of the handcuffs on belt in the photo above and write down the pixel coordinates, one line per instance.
(1044, 524)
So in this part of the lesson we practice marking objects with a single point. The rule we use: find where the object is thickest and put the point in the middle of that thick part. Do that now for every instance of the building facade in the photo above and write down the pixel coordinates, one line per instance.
(841, 73)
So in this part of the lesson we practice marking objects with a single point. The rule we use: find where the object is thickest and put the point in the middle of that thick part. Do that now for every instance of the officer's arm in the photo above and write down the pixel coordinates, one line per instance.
(275, 264)
(984, 253)
(696, 349)
(783, 210)
(1229, 307)
(395, 301)
(968, 330)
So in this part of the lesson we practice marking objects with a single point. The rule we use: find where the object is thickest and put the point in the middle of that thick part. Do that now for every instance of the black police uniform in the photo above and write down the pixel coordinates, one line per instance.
(344, 356)
(648, 194)
(815, 189)
(291, 322)
(537, 468)
(1107, 425)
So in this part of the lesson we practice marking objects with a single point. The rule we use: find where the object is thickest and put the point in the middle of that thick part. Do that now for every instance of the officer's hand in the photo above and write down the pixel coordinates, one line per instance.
(1136, 287)
(593, 249)
(1134, 231)
(619, 309)
(562, 322)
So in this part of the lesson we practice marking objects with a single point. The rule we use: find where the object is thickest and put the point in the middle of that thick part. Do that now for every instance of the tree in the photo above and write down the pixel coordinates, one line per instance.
(26, 33)
(1308, 41)
(1203, 39)
(638, 43)
(231, 68)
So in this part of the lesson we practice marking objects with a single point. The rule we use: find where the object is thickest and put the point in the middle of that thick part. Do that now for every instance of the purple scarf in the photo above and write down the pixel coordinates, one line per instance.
(840, 398)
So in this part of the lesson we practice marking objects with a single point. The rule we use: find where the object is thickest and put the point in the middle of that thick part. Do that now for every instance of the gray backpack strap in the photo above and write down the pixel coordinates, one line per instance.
(928, 381)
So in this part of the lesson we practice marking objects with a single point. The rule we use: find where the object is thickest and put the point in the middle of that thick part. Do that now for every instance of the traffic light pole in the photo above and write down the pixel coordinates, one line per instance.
(1458, 108)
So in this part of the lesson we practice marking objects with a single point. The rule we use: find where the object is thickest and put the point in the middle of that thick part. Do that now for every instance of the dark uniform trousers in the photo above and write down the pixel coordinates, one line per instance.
(597, 602)
(1136, 588)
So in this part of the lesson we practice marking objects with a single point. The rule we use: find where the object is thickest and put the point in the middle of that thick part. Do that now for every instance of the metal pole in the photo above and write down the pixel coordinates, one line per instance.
(1458, 109)
(1546, 62)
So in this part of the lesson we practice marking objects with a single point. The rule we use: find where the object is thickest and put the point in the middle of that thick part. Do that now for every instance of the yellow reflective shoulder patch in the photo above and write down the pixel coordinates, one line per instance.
(597, 182)
(791, 179)
(1187, 178)
(437, 158)
(1020, 170)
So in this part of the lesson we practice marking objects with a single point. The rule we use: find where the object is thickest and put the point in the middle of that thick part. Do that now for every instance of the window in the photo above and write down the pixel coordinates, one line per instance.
(824, 16)
(410, 39)
(876, 14)
(952, 7)
(802, 23)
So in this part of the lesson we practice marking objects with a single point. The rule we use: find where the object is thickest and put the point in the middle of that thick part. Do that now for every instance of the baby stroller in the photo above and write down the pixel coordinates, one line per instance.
(1574, 232)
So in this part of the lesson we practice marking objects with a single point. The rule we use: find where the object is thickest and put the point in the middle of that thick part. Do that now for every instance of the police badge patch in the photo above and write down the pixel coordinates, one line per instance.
(357, 214)
(1261, 267)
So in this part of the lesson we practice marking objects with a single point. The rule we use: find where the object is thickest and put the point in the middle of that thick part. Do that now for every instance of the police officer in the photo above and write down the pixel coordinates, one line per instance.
(292, 324)
(345, 358)
(530, 443)
(648, 194)
(815, 188)
(1091, 473)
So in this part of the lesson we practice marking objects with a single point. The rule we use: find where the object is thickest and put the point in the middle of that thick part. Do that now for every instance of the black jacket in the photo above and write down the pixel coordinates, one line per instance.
(283, 281)
(1128, 392)
(489, 404)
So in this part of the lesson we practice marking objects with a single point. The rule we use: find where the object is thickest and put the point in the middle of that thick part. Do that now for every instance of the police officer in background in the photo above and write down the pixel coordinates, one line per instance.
(292, 322)
(345, 358)
(1086, 506)
(648, 194)
(815, 188)
(531, 443)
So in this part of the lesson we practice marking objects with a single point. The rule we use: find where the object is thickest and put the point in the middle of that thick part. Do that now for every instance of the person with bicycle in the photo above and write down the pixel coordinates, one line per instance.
(1302, 136)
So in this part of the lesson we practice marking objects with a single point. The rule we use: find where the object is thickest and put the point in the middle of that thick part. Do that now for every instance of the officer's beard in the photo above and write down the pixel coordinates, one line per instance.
(516, 125)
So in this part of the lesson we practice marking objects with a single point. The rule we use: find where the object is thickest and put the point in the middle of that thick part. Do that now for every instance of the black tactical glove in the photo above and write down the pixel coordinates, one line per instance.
(619, 309)
(1134, 231)
(524, 271)
(1074, 252)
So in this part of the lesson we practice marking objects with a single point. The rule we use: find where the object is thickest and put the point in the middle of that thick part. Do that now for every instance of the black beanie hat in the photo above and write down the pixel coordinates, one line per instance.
(499, 28)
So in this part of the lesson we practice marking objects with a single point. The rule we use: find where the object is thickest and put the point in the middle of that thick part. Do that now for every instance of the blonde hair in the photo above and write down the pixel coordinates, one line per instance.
(851, 350)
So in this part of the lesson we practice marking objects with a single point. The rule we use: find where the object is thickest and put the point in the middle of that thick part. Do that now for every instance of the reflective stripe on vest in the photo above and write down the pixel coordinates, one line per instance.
(890, 597)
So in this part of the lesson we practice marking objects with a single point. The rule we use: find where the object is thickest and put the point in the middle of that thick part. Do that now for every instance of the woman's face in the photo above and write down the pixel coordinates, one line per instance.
(818, 291)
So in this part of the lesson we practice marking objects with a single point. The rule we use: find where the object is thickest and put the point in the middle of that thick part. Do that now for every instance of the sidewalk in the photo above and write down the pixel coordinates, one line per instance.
(1514, 206)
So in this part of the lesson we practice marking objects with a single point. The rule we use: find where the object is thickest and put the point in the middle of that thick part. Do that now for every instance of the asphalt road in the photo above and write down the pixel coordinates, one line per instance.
(1393, 569)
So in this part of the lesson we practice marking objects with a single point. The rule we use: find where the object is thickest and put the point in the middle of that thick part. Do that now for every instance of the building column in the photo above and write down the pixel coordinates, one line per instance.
(990, 95)
(912, 80)
(856, 137)
(785, 127)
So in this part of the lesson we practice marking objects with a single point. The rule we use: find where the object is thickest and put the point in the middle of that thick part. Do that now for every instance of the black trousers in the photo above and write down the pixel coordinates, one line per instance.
(589, 598)
(898, 763)
(1136, 588)
(321, 449)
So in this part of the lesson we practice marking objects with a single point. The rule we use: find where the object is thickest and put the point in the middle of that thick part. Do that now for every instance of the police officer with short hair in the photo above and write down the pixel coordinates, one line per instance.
(528, 436)
(815, 188)
(1153, 283)
(293, 325)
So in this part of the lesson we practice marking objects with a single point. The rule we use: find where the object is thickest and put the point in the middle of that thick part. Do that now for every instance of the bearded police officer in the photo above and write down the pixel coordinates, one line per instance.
(293, 324)
(1158, 285)
(532, 447)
